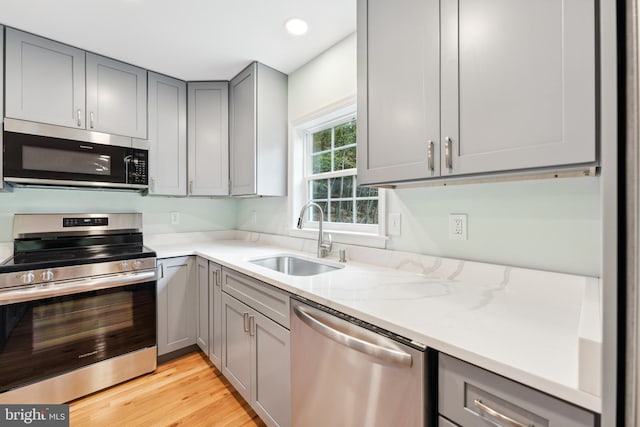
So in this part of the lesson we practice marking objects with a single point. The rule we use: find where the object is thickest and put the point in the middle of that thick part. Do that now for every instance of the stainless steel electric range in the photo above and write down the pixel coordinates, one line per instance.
(77, 306)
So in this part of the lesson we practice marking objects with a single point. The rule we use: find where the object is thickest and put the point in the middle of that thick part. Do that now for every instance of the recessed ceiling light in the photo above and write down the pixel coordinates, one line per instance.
(296, 26)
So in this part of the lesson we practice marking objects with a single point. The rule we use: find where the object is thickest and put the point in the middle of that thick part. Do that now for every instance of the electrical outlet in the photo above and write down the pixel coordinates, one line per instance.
(395, 221)
(458, 226)
(175, 218)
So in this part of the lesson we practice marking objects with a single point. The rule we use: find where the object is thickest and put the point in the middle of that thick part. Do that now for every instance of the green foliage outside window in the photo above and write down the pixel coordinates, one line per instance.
(334, 150)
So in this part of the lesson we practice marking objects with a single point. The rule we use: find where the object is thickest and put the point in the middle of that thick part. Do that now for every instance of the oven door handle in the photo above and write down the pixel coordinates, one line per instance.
(76, 286)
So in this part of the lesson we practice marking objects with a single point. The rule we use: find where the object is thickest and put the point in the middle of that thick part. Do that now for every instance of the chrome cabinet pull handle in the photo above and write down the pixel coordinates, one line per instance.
(91, 120)
(191, 186)
(252, 326)
(245, 321)
(430, 164)
(447, 153)
(499, 416)
(218, 278)
(79, 117)
(161, 271)
(153, 184)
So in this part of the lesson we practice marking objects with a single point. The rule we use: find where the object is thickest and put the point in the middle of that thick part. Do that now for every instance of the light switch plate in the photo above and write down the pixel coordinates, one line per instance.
(458, 227)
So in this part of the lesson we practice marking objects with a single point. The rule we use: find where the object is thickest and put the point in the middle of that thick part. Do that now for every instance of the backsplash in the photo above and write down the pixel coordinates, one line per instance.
(194, 214)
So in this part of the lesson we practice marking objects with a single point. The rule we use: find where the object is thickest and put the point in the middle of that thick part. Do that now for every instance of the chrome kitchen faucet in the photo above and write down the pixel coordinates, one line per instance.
(324, 247)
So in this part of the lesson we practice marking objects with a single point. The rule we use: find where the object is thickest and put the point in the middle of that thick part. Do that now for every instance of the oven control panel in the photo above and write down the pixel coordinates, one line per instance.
(85, 222)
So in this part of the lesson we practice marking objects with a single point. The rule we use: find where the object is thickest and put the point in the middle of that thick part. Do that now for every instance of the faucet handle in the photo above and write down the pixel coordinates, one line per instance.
(326, 245)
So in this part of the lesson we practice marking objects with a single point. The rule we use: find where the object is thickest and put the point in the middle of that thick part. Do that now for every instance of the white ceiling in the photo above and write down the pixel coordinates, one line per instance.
(189, 39)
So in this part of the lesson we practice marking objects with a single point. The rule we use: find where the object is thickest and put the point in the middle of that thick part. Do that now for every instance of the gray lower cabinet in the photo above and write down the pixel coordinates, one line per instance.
(474, 87)
(256, 360)
(258, 132)
(167, 109)
(471, 396)
(443, 422)
(215, 314)
(177, 295)
(45, 80)
(53, 83)
(208, 138)
(256, 347)
(204, 297)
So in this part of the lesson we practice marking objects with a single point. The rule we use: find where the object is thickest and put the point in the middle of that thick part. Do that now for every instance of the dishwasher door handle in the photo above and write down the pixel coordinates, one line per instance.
(385, 355)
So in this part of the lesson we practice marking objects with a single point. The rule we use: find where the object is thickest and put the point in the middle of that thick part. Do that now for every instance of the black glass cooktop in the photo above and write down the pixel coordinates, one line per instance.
(51, 252)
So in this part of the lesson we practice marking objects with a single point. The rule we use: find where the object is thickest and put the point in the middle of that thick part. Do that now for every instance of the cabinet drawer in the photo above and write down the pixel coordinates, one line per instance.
(467, 394)
(266, 299)
(443, 422)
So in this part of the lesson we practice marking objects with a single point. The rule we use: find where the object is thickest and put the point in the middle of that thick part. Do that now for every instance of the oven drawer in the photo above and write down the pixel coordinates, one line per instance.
(267, 299)
(468, 394)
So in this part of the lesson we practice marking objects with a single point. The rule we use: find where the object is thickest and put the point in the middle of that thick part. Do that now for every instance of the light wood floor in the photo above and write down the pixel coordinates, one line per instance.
(187, 391)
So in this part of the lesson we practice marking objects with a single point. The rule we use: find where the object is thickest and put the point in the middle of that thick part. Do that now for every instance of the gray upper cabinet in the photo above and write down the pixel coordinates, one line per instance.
(208, 138)
(167, 135)
(474, 87)
(45, 80)
(1, 103)
(398, 90)
(258, 132)
(116, 97)
(50, 82)
(518, 84)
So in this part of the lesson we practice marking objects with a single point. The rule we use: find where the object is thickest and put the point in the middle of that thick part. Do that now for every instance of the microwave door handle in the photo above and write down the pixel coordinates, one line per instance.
(127, 160)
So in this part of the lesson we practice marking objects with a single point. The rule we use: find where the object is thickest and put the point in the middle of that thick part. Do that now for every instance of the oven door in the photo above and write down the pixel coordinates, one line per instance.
(34, 159)
(48, 332)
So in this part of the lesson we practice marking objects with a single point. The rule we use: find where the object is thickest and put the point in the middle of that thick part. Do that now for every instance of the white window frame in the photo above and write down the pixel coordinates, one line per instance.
(299, 171)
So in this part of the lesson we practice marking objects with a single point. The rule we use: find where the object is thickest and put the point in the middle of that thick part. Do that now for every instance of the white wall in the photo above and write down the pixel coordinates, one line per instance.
(195, 214)
(545, 224)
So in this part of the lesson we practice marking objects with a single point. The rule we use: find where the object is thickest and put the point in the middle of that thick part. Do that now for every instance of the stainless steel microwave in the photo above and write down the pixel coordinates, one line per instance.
(50, 161)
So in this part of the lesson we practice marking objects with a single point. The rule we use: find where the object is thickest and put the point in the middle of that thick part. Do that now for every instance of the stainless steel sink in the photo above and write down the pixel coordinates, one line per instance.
(295, 266)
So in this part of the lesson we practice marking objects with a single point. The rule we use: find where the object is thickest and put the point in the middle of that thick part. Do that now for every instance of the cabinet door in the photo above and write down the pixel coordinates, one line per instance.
(116, 97)
(518, 84)
(176, 304)
(242, 122)
(215, 315)
(167, 136)
(236, 345)
(208, 138)
(271, 387)
(45, 80)
(398, 90)
(204, 295)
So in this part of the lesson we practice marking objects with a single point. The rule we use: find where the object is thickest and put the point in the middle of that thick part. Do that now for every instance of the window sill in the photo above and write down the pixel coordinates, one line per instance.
(349, 238)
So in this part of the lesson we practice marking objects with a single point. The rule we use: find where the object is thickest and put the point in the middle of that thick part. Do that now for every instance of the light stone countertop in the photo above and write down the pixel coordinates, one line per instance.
(520, 323)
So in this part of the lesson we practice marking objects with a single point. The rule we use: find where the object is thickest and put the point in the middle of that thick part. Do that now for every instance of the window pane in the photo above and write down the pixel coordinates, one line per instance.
(345, 159)
(321, 162)
(367, 211)
(319, 189)
(322, 140)
(315, 214)
(342, 212)
(345, 134)
(366, 192)
(342, 187)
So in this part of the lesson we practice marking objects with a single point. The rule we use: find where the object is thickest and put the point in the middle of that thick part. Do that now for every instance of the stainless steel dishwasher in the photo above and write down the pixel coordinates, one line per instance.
(345, 372)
